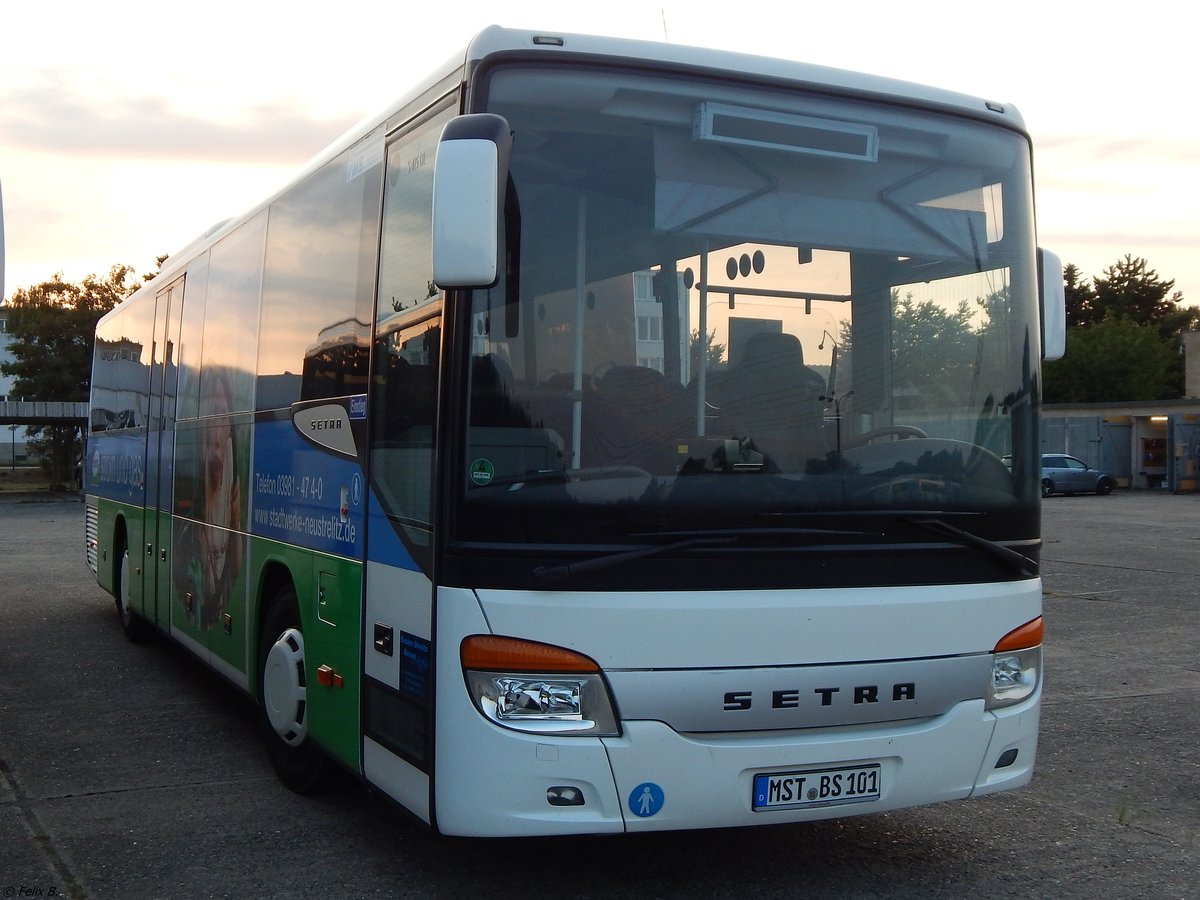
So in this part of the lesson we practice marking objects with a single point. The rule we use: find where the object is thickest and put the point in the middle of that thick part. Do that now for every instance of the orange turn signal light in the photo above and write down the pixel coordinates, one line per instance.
(1028, 635)
(492, 653)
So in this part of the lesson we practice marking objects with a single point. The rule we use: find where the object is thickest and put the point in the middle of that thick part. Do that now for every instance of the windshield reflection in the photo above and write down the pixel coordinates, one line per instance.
(726, 304)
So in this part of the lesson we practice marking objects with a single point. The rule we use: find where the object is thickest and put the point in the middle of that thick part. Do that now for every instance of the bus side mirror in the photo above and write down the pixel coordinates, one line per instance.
(469, 182)
(1054, 305)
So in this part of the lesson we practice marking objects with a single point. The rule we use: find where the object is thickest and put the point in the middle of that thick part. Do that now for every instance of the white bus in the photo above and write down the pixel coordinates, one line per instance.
(606, 437)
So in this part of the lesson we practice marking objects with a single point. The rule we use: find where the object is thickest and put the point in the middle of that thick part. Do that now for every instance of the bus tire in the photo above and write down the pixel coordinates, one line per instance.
(135, 627)
(282, 688)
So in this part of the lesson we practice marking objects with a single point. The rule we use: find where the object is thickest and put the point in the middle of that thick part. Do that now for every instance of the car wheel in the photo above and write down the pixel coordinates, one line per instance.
(1047, 487)
(282, 698)
(1104, 486)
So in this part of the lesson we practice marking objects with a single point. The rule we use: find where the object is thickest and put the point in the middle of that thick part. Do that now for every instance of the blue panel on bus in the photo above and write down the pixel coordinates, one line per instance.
(116, 466)
(385, 545)
(414, 666)
(303, 495)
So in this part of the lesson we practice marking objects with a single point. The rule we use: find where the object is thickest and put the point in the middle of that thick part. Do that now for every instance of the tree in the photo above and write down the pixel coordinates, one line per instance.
(53, 326)
(1129, 289)
(1082, 308)
(1115, 359)
(1133, 290)
(1098, 367)
(937, 349)
(714, 353)
(158, 263)
(919, 326)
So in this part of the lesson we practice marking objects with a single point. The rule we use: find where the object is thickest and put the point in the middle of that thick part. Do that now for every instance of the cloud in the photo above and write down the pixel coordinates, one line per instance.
(1107, 148)
(1132, 239)
(53, 118)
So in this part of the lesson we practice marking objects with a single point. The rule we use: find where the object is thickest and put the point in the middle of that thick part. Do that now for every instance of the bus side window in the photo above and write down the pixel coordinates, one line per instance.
(403, 415)
(407, 336)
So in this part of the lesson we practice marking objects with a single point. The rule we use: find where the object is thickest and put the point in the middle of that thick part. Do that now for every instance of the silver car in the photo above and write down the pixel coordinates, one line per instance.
(1062, 474)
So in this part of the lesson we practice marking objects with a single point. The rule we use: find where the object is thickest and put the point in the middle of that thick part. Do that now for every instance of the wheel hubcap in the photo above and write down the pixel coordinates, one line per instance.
(284, 692)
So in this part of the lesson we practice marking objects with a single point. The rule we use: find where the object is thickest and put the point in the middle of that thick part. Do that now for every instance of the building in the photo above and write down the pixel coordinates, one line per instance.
(1145, 444)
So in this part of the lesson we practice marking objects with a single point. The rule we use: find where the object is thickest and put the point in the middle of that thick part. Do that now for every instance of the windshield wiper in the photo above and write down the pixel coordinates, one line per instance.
(761, 532)
(564, 476)
(1019, 562)
(547, 576)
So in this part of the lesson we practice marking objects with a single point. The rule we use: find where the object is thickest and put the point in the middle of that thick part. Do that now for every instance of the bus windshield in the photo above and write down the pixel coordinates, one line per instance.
(737, 308)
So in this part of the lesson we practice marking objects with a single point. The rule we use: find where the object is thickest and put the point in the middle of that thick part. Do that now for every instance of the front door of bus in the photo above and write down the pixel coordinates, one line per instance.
(160, 454)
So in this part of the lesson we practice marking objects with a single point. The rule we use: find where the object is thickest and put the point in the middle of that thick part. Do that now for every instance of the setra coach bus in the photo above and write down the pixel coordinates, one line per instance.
(608, 436)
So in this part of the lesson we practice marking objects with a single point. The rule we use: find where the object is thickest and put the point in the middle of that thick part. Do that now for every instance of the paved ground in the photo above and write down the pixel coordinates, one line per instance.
(128, 771)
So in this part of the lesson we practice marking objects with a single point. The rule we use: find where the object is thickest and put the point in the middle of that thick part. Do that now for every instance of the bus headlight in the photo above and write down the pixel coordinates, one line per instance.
(537, 688)
(1014, 677)
(1016, 666)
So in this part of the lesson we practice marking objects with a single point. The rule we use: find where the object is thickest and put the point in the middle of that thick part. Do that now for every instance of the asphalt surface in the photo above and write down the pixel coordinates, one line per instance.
(129, 771)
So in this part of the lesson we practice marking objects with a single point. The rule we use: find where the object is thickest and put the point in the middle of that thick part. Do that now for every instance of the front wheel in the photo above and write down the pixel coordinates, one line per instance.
(1104, 486)
(282, 698)
(135, 627)
(1047, 487)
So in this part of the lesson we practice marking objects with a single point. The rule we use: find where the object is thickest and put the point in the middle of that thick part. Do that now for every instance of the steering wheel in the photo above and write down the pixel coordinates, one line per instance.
(900, 431)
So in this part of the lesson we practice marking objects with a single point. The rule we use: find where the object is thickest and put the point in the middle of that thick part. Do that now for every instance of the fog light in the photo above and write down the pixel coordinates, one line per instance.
(564, 795)
(1007, 758)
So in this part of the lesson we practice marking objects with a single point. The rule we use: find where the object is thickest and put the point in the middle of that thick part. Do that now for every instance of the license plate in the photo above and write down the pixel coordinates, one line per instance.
(817, 787)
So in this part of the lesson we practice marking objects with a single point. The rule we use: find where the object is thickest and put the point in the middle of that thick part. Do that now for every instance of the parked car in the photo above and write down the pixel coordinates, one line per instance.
(1062, 474)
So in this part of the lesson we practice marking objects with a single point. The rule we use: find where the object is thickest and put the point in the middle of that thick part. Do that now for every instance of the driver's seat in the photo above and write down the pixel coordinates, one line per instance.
(770, 396)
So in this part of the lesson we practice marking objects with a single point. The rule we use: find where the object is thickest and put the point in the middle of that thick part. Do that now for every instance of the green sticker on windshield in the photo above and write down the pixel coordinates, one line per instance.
(482, 471)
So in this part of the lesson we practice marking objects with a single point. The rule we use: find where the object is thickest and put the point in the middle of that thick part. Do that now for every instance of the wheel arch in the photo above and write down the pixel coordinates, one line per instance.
(276, 577)
(302, 767)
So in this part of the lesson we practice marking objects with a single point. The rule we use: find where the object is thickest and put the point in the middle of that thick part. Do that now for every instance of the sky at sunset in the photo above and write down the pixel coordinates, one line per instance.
(128, 128)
